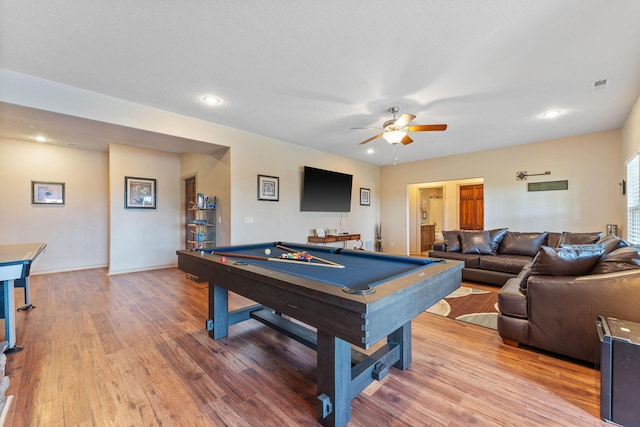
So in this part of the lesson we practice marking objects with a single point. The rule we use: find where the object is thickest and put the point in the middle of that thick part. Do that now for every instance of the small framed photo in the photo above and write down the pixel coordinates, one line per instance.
(47, 193)
(140, 193)
(268, 188)
(365, 197)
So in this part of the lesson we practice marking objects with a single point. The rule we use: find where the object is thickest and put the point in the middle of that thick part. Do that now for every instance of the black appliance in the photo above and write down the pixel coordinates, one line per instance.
(619, 371)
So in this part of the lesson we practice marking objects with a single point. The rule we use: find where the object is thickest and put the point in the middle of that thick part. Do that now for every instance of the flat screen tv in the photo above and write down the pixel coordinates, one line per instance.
(325, 191)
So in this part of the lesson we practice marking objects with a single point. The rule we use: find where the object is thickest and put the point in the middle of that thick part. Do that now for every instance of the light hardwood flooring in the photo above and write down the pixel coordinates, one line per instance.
(131, 350)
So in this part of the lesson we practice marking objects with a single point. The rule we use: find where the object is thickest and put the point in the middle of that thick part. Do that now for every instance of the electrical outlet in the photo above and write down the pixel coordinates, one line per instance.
(219, 220)
(248, 220)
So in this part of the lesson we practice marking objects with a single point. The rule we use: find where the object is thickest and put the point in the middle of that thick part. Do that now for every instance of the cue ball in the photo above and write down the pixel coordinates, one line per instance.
(223, 259)
(267, 251)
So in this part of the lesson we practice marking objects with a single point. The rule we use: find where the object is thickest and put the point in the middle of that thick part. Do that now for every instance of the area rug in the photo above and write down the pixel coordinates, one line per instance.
(471, 305)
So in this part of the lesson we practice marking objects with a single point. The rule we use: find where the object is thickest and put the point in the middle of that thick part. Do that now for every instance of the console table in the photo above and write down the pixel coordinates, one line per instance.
(332, 239)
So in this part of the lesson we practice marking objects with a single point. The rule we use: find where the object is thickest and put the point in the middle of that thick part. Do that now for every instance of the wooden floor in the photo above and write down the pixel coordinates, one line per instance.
(131, 350)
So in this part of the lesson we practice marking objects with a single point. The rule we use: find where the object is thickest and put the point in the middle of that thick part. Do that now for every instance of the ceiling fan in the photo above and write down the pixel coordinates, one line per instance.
(395, 130)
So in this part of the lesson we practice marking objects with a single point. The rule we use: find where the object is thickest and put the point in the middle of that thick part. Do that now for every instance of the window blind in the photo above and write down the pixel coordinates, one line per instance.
(633, 200)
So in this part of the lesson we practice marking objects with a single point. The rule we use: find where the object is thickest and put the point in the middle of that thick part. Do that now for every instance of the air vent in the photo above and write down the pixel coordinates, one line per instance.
(598, 85)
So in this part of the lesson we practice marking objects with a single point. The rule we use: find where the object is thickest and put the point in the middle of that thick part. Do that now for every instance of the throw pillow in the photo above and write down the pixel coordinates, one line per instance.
(626, 258)
(476, 242)
(565, 261)
(451, 240)
(516, 243)
(496, 237)
(553, 239)
(568, 238)
(610, 243)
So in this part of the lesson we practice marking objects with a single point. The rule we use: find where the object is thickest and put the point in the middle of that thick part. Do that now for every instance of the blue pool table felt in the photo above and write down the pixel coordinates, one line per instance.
(362, 269)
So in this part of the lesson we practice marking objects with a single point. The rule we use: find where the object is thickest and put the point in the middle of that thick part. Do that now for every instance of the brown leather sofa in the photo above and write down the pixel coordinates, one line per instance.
(553, 303)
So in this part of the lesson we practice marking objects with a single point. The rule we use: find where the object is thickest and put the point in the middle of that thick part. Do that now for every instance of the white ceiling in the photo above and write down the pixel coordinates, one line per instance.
(306, 72)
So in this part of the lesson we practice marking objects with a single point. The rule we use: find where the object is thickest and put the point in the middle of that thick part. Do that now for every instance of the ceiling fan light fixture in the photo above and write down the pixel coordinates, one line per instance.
(394, 136)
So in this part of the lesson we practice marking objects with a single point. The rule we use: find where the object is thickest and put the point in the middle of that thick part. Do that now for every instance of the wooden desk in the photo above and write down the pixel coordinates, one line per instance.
(15, 264)
(332, 239)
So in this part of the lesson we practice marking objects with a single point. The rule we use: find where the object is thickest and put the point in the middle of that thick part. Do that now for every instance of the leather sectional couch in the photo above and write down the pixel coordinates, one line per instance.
(553, 301)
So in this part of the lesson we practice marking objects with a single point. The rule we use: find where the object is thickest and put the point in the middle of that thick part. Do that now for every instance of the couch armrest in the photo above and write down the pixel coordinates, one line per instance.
(439, 246)
(511, 300)
(563, 310)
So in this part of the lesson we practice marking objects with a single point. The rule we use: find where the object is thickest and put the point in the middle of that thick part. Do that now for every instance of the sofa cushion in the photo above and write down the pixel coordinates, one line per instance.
(566, 261)
(516, 243)
(470, 260)
(505, 263)
(569, 238)
(626, 258)
(452, 240)
(476, 242)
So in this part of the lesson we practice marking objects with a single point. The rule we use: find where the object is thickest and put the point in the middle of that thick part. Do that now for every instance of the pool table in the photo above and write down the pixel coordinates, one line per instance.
(352, 298)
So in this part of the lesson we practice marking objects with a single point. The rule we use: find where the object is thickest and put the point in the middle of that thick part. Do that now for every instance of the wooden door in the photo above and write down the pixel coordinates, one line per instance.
(189, 201)
(472, 207)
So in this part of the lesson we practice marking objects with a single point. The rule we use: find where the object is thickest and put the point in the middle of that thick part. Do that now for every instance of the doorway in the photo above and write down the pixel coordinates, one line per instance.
(431, 216)
(450, 216)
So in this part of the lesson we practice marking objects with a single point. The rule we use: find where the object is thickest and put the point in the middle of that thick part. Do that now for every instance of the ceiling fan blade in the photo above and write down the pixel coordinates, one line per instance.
(406, 140)
(370, 139)
(378, 128)
(404, 120)
(422, 128)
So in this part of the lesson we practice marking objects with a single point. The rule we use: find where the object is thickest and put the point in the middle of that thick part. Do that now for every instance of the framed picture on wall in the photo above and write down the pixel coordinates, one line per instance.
(47, 193)
(140, 193)
(268, 188)
(365, 197)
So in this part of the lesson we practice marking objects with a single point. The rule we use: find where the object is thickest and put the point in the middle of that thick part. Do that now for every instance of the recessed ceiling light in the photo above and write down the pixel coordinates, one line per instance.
(370, 151)
(40, 138)
(210, 100)
(551, 114)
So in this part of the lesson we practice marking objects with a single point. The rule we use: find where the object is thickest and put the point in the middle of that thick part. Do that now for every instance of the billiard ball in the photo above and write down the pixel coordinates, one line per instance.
(267, 251)
(223, 259)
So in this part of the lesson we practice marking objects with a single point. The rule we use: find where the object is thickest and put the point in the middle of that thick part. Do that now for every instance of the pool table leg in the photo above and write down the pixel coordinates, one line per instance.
(219, 311)
(334, 380)
(402, 336)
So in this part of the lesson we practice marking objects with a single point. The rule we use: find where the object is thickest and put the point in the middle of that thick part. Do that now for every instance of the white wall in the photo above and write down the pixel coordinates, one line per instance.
(142, 239)
(591, 164)
(631, 133)
(283, 220)
(76, 234)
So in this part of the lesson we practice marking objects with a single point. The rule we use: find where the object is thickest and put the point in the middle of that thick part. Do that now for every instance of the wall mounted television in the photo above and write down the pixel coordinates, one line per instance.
(325, 191)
